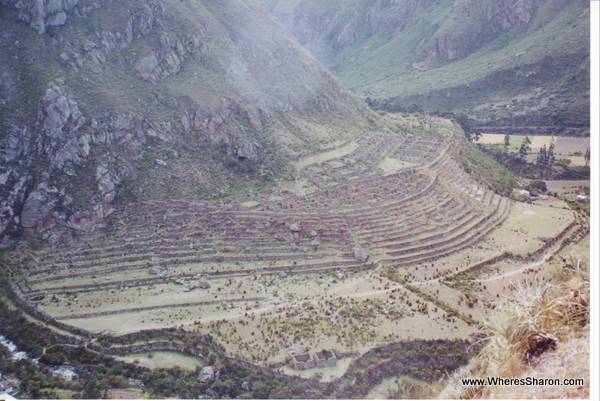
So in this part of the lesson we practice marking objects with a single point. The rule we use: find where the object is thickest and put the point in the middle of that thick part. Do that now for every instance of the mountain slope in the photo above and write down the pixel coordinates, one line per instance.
(182, 99)
(509, 62)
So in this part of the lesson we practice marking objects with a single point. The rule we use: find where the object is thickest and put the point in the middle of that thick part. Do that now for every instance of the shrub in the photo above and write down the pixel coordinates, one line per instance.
(537, 185)
(53, 358)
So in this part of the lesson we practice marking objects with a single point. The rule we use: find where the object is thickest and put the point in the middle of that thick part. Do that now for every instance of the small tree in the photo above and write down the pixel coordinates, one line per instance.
(537, 185)
(542, 158)
(586, 157)
(550, 158)
(471, 133)
(93, 388)
(524, 148)
(545, 160)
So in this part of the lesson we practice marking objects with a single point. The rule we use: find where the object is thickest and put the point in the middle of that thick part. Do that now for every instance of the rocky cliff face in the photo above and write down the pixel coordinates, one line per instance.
(409, 52)
(64, 168)
(40, 14)
(92, 91)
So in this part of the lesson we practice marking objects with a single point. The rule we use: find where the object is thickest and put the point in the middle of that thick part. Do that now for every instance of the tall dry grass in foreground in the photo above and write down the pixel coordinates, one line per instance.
(542, 332)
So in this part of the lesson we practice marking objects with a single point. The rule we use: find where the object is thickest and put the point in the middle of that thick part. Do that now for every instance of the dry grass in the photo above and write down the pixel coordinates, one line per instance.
(541, 332)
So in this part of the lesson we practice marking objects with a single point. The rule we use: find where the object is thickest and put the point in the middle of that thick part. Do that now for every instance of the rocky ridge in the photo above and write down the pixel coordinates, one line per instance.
(92, 90)
(41, 14)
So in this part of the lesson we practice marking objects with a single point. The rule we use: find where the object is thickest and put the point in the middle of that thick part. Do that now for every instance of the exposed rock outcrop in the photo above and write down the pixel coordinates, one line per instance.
(60, 128)
(44, 167)
(40, 14)
(104, 89)
(168, 59)
(97, 49)
(482, 22)
(207, 374)
(360, 254)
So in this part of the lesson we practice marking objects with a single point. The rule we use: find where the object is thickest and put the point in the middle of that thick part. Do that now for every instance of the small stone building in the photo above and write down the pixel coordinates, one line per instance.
(325, 358)
(321, 359)
(303, 361)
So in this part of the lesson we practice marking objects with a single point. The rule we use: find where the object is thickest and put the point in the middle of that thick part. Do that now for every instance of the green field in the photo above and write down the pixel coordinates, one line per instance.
(163, 359)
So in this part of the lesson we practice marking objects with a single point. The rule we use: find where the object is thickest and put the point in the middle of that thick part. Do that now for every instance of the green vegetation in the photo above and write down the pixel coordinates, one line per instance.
(536, 159)
(321, 227)
(506, 142)
(451, 312)
(421, 360)
(537, 185)
(545, 160)
(546, 321)
(525, 148)
(163, 359)
(450, 55)
(34, 381)
(562, 35)
(96, 373)
(485, 169)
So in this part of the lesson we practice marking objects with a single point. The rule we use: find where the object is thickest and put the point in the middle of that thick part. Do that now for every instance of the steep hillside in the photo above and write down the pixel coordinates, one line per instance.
(541, 331)
(510, 62)
(188, 99)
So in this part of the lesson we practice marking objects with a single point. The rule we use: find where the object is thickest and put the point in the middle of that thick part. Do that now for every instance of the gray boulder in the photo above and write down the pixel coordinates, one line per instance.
(58, 19)
(245, 150)
(146, 66)
(360, 254)
(207, 374)
(36, 209)
(43, 13)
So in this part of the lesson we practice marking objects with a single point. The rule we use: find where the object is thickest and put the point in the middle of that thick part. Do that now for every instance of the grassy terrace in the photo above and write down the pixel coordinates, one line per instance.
(282, 269)
(178, 354)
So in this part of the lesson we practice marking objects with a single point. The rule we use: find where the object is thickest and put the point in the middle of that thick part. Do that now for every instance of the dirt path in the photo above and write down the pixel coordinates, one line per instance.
(520, 270)
(554, 249)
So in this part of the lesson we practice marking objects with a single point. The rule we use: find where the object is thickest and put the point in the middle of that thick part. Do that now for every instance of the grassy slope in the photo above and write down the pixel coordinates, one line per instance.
(388, 72)
(482, 167)
(559, 309)
(381, 60)
(485, 169)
